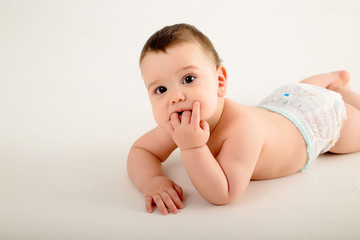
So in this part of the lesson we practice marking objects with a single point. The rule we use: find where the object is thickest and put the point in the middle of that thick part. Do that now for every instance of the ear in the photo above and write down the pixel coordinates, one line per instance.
(222, 81)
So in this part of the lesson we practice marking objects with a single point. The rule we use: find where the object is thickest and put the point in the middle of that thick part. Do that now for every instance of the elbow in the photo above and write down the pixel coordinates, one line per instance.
(223, 199)
(219, 201)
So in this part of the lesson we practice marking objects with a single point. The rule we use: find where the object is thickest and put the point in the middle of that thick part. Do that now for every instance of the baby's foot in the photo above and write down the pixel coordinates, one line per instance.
(341, 78)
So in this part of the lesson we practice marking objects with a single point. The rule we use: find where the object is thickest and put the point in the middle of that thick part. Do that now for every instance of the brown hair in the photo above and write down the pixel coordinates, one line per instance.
(175, 34)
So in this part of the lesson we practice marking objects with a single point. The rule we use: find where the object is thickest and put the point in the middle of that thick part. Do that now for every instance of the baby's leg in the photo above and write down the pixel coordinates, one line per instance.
(325, 80)
(349, 140)
(348, 96)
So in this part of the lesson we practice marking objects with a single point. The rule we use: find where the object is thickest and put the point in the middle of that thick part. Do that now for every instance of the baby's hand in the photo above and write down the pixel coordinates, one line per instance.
(190, 132)
(164, 193)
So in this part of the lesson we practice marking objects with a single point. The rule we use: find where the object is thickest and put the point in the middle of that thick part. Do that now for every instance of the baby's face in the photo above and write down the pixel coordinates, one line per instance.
(178, 78)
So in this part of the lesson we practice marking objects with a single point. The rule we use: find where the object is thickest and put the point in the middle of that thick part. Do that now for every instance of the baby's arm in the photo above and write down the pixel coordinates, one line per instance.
(144, 168)
(220, 179)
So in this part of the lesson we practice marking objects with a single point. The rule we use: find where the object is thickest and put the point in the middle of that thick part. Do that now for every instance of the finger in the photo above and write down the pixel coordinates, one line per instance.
(160, 204)
(169, 202)
(204, 125)
(148, 204)
(169, 127)
(176, 198)
(185, 118)
(175, 121)
(195, 116)
(179, 191)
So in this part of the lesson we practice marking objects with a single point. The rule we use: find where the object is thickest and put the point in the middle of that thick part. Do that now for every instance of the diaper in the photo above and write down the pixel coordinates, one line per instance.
(315, 111)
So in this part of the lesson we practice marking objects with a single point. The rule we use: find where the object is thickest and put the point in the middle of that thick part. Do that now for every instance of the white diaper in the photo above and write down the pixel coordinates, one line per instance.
(317, 113)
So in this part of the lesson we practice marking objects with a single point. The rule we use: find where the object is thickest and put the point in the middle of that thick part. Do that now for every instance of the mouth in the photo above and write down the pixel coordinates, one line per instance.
(180, 112)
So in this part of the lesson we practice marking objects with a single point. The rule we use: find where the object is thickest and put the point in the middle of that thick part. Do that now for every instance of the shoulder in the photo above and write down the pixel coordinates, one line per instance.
(238, 117)
(157, 141)
(242, 144)
(243, 129)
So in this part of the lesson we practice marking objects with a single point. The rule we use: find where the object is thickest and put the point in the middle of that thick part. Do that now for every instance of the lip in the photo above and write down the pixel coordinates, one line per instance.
(180, 111)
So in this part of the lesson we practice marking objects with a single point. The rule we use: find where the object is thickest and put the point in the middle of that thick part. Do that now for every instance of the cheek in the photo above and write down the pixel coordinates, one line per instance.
(156, 114)
(159, 116)
(208, 109)
(208, 105)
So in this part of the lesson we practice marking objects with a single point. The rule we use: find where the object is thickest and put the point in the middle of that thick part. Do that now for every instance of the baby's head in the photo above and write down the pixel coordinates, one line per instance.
(173, 35)
(180, 65)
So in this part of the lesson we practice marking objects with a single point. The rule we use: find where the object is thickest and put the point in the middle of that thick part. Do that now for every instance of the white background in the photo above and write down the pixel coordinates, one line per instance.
(72, 102)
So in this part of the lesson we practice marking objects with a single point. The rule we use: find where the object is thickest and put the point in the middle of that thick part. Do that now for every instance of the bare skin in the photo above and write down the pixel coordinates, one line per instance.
(223, 144)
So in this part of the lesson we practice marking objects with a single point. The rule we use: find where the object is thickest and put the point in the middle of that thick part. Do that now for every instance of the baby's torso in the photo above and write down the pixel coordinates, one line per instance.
(283, 151)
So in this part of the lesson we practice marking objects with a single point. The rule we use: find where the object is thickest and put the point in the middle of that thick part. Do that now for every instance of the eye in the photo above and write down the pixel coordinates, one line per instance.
(161, 90)
(188, 79)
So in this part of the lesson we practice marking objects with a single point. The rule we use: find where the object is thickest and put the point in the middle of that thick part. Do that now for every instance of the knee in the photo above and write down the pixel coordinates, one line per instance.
(334, 87)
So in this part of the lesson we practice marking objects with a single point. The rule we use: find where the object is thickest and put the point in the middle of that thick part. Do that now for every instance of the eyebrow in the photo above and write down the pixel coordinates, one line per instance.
(153, 83)
(177, 72)
(187, 67)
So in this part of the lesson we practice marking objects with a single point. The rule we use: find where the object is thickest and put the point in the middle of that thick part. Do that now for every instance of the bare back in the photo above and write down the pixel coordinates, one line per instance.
(283, 151)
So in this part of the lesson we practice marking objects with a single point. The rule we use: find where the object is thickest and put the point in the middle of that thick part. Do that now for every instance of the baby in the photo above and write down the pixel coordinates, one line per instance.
(224, 144)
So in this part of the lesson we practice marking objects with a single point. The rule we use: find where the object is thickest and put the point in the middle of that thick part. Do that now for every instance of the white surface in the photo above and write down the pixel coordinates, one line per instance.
(72, 102)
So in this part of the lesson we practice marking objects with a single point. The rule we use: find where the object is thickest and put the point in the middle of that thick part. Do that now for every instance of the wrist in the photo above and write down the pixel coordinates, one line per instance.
(192, 149)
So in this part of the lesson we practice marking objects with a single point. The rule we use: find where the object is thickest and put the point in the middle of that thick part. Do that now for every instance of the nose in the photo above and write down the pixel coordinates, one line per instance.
(177, 96)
